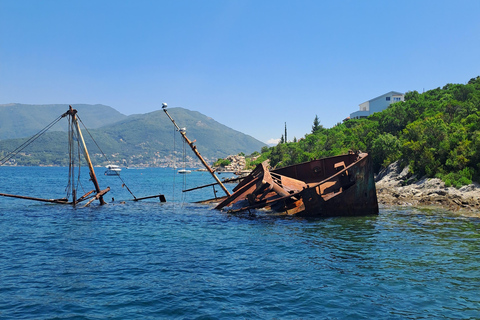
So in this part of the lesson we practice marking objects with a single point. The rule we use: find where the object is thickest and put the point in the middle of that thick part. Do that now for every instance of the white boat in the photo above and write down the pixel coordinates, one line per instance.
(112, 170)
(183, 171)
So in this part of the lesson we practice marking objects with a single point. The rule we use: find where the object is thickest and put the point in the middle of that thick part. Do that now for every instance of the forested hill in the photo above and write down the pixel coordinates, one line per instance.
(155, 131)
(24, 120)
(137, 140)
(437, 133)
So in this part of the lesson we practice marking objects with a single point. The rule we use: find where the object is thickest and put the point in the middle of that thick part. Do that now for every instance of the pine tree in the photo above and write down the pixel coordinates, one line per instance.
(316, 125)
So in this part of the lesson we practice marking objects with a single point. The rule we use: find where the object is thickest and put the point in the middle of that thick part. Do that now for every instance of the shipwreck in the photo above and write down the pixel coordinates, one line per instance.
(76, 148)
(336, 186)
(342, 185)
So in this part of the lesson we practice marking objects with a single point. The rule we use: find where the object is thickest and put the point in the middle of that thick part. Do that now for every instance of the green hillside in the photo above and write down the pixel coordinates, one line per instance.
(154, 130)
(147, 139)
(24, 120)
(437, 133)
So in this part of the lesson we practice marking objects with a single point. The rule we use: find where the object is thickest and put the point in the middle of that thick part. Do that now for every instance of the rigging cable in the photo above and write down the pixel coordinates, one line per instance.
(71, 170)
(118, 175)
(174, 162)
(79, 155)
(184, 168)
(29, 141)
(73, 187)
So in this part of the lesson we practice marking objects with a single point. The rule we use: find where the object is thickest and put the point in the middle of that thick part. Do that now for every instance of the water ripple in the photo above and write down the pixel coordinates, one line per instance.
(184, 261)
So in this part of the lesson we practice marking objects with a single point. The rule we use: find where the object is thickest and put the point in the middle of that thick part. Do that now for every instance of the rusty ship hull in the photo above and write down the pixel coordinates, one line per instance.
(336, 186)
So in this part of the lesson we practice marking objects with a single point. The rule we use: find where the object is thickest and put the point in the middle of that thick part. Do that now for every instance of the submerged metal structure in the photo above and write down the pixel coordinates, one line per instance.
(76, 148)
(336, 186)
(75, 135)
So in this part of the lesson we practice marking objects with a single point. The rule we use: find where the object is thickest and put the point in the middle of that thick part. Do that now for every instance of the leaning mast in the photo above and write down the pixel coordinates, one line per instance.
(194, 149)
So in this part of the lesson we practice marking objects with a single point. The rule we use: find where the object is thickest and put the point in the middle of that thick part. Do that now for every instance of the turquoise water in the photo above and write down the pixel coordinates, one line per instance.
(177, 260)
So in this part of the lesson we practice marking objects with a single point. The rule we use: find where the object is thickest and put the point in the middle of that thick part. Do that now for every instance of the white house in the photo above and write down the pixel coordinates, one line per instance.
(377, 104)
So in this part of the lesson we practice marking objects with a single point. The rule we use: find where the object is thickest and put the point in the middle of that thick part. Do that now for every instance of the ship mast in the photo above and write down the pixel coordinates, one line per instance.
(73, 122)
(194, 149)
(72, 112)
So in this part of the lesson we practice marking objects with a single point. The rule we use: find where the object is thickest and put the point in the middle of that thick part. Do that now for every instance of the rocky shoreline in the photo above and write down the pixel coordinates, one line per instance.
(396, 187)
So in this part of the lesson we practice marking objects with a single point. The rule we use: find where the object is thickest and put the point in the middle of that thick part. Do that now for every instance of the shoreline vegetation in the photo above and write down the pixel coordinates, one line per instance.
(436, 134)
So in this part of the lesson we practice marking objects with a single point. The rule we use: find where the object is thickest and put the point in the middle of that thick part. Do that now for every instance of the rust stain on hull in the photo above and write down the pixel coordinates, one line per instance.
(336, 186)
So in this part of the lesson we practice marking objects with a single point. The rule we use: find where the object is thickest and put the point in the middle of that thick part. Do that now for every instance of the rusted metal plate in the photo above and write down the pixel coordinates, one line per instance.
(336, 186)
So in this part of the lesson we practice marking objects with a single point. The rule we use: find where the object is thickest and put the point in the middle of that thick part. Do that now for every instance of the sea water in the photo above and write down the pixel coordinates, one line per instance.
(180, 260)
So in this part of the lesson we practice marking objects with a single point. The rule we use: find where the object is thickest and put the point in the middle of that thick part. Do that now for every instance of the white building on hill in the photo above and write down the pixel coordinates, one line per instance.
(377, 104)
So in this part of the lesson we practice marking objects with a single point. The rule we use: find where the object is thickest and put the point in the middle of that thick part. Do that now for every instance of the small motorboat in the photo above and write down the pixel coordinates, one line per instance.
(184, 171)
(112, 170)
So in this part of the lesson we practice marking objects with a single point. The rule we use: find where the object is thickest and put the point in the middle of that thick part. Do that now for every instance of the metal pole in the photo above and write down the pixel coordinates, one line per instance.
(194, 149)
(73, 113)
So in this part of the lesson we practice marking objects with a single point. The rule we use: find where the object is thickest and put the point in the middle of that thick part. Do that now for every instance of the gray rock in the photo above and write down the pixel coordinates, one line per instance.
(396, 186)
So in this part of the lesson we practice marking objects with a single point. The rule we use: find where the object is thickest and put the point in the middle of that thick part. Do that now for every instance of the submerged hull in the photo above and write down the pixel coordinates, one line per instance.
(336, 186)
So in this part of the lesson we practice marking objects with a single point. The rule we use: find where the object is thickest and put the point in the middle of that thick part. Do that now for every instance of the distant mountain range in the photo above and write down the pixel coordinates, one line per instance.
(142, 139)
(24, 120)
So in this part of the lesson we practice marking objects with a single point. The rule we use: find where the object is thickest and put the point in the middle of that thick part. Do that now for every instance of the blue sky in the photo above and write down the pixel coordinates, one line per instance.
(251, 65)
